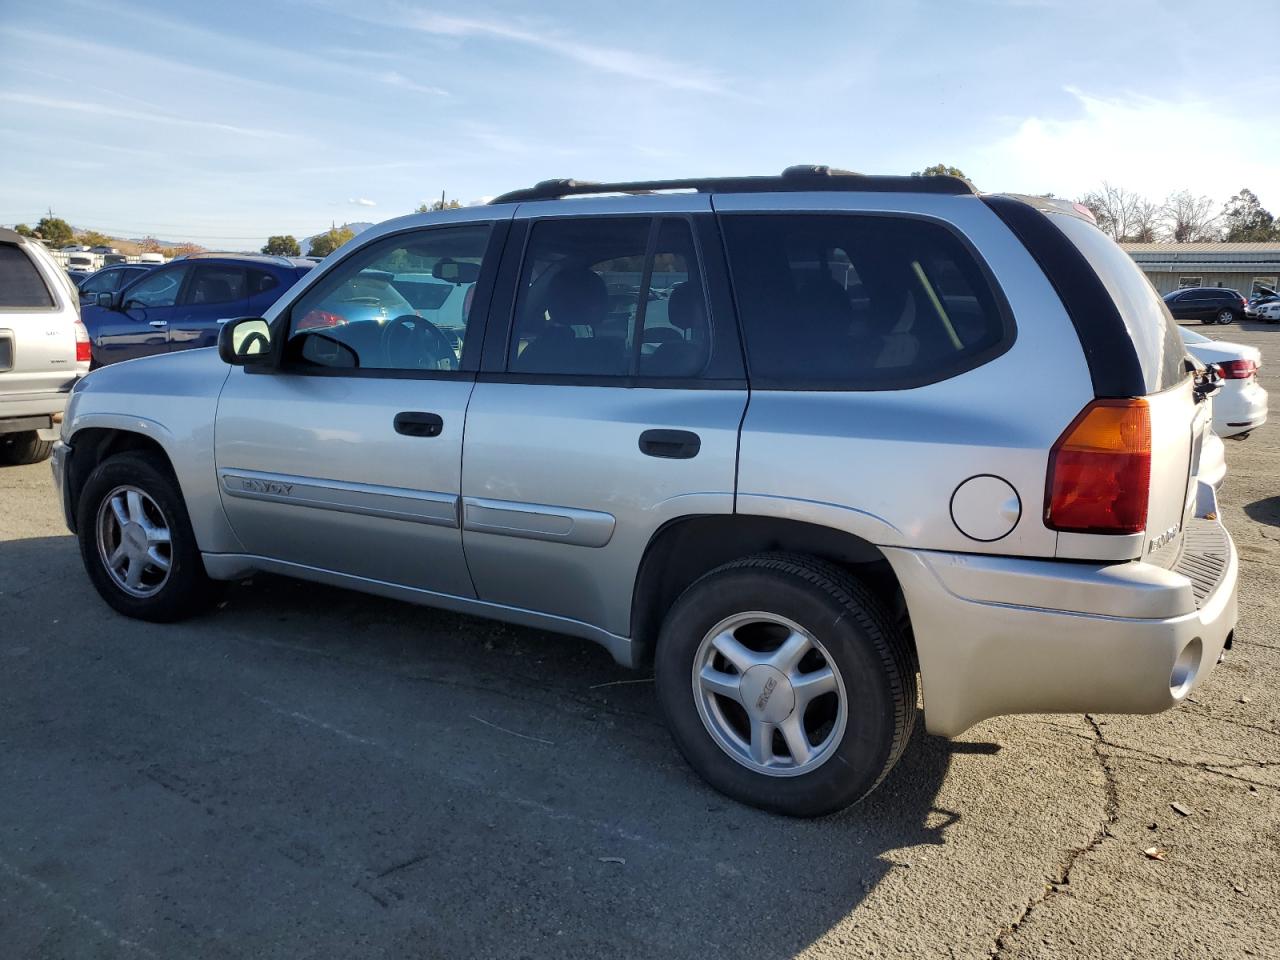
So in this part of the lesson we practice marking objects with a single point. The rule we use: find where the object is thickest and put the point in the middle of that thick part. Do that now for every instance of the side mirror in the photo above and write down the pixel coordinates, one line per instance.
(245, 342)
(107, 300)
(456, 271)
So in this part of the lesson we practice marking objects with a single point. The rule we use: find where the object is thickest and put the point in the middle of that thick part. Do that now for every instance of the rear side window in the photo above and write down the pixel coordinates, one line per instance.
(856, 302)
(1146, 317)
(20, 282)
(215, 283)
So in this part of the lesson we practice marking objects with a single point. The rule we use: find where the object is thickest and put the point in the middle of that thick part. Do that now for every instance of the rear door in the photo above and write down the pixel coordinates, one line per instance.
(214, 292)
(609, 404)
(37, 338)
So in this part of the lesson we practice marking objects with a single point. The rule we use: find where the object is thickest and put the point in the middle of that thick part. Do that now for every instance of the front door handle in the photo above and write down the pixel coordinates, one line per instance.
(158, 323)
(671, 444)
(413, 423)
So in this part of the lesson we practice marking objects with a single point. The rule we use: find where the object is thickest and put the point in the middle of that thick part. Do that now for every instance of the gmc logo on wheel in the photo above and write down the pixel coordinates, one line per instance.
(766, 693)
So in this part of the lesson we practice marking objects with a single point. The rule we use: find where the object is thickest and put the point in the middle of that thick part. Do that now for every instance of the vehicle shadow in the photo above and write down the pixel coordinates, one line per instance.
(488, 784)
(1266, 510)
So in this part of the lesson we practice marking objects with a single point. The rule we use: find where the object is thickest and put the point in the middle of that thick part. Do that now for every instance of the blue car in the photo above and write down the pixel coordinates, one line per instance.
(181, 305)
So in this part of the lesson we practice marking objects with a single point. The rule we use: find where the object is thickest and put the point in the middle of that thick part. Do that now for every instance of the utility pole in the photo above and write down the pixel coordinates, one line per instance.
(441, 199)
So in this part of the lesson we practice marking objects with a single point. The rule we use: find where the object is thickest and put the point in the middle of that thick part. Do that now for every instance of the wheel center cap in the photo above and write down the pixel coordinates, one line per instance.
(767, 694)
(134, 537)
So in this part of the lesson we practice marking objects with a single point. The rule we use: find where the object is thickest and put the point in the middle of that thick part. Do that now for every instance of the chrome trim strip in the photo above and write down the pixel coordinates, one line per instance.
(233, 566)
(365, 499)
(537, 521)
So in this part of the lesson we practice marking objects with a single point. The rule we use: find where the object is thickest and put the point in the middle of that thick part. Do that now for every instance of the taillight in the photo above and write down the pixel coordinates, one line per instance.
(1238, 369)
(1100, 470)
(319, 320)
(84, 347)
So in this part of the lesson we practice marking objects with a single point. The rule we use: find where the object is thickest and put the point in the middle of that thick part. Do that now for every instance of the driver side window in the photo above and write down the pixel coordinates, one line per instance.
(402, 303)
(159, 289)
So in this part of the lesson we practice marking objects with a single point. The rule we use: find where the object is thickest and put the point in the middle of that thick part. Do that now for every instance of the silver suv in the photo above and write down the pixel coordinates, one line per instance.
(809, 445)
(44, 348)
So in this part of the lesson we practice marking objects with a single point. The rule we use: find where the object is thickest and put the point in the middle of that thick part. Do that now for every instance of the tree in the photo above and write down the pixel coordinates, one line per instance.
(55, 231)
(149, 245)
(940, 170)
(24, 231)
(184, 249)
(1188, 218)
(1244, 219)
(435, 205)
(285, 245)
(325, 243)
(92, 238)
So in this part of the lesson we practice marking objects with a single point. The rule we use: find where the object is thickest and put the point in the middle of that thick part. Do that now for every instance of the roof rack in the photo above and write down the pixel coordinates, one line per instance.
(797, 178)
(277, 259)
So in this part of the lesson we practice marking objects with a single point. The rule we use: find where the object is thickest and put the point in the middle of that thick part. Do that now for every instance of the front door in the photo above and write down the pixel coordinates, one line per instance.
(611, 408)
(140, 327)
(347, 457)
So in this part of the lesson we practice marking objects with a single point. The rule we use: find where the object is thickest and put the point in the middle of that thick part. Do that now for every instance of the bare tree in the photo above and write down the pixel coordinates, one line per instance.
(1121, 214)
(1145, 226)
(1188, 218)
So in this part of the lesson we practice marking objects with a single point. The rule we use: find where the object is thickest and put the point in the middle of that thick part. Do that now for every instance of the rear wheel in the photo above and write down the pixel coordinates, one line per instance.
(1226, 316)
(786, 684)
(17, 449)
(136, 540)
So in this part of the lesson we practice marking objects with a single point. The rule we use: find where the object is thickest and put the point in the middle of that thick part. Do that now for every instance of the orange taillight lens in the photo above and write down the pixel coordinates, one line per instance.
(1100, 470)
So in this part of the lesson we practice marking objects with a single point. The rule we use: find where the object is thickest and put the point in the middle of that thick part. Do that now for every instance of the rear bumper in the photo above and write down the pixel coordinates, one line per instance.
(20, 406)
(1239, 411)
(999, 635)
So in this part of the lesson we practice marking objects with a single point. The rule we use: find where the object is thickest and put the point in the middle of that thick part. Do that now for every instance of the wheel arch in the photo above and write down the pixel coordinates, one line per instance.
(93, 445)
(685, 548)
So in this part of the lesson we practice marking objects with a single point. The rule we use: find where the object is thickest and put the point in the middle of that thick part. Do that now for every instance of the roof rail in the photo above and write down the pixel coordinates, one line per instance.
(792, 179)
(277, 259)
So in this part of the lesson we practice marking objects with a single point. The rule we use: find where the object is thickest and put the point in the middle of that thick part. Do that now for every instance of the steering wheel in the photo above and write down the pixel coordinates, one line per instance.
(411, 341)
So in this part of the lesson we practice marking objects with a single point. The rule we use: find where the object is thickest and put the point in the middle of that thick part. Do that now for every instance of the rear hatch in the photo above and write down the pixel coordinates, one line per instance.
(37, 327)
(1134, 353)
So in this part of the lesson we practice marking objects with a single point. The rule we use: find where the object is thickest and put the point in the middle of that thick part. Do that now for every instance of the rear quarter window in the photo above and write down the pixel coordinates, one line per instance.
(1150, 325)
(860, 302)
(20, 282)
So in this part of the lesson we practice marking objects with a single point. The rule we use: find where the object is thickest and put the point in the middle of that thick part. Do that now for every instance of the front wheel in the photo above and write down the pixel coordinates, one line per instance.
(786, 684)
(136, 540)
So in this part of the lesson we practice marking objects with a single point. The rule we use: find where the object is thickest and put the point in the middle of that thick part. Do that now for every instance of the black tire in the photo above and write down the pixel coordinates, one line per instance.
(18, 449)
(861, 640)
(188, 589)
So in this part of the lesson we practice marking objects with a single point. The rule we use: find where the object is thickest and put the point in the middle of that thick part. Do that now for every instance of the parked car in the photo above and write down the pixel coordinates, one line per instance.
(970, 458)
(1261, 298)
(1268, 312)
(109, 280)
(1206, 304)
(180, 305)
(1241, 405)
(43, 348)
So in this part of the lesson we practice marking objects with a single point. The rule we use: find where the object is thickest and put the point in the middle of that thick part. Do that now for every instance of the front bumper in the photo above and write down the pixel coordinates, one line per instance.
(1002, 635)
(58, 463)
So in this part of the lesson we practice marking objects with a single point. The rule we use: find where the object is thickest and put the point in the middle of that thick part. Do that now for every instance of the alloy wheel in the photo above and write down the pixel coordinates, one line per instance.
(134, 541)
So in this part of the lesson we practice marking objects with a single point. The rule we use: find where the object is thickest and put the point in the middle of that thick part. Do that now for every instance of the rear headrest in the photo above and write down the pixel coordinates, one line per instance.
(685, 307)
(577, 296)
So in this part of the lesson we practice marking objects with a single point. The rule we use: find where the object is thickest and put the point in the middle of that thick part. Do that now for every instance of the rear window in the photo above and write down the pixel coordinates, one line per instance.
(20, 282)
(856, 302)
(1150, 326)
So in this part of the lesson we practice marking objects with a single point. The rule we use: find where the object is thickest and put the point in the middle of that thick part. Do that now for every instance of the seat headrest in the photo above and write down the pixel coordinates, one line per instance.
(685, 307)
(577, 295)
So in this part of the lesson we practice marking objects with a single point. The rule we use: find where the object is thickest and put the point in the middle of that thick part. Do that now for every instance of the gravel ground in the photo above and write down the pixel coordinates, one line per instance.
(313, 773)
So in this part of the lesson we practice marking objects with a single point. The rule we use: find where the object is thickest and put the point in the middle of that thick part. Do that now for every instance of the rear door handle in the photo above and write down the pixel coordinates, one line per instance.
(413, 423)
(159, 323)
(671, 444)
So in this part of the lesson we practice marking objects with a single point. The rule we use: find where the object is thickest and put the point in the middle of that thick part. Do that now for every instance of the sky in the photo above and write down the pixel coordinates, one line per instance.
(226, 122)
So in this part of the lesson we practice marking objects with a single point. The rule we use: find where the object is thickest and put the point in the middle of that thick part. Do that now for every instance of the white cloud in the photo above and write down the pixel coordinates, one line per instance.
(361, 202)
(103, 109)
(1137, 142)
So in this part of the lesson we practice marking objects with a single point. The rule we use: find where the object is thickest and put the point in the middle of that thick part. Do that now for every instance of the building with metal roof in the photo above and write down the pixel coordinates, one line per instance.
(1240, 266)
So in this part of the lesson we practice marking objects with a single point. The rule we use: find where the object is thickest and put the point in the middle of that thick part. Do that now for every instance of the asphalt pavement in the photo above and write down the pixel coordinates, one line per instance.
(308, 772)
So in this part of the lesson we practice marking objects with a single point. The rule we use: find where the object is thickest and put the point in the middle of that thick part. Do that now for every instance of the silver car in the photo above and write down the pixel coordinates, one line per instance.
(44, 348)
(810, 447)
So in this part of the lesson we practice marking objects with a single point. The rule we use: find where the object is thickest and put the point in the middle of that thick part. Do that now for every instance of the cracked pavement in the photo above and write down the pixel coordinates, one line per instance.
(313, 773)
